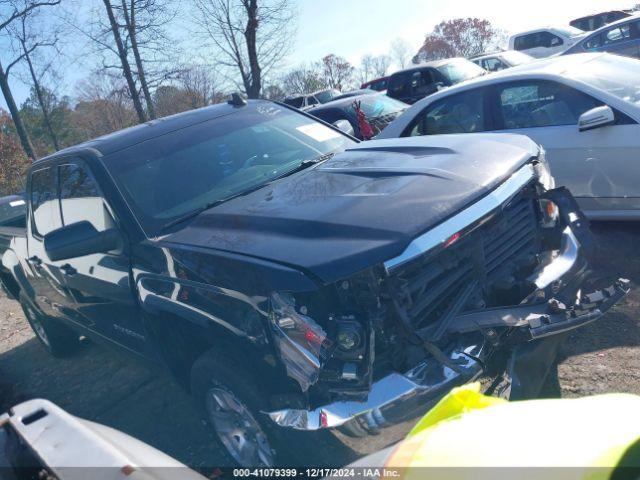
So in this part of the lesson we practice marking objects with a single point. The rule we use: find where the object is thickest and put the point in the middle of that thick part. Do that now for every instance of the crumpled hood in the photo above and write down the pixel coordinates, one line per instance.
(362, 206)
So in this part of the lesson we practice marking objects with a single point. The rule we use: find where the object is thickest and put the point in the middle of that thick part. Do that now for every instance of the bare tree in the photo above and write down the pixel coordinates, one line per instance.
(129, 12)
(124, 61)
(252, 35)
(373, 67)
(32, 37)
(336, 71)
(15, 9)
(400, 52)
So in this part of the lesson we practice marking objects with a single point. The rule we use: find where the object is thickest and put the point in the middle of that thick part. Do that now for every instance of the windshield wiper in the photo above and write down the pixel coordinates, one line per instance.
(192, 214)
(304, 164)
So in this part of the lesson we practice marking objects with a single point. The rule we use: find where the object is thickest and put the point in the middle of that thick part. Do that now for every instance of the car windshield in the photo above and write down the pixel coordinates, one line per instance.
(459, 69)
(377, 105)
(166, 178)
(326, 95)
(617, 75)
(568, 31)
(516, 58)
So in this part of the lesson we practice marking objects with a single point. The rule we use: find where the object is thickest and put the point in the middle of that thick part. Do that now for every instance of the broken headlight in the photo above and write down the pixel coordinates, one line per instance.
(300, 340)
(549, 209)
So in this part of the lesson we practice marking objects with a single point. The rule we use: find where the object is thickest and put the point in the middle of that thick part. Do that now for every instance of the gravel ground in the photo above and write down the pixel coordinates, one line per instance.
(106, 386)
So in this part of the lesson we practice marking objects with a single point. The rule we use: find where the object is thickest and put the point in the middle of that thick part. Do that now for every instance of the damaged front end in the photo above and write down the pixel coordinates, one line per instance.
(504, 278)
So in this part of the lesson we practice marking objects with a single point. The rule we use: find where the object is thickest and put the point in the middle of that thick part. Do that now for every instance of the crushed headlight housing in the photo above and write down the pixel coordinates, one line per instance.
(300, 340)
(549, 209)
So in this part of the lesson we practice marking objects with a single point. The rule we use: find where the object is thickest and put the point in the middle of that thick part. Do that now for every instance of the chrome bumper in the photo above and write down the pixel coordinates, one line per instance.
(392, 398)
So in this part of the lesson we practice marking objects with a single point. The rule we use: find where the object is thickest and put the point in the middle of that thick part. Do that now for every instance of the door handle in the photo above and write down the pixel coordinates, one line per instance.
(35, 261)
(68, 269)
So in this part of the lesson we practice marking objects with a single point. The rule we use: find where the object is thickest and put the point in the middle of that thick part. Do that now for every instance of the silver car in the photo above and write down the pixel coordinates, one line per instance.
(583, 109)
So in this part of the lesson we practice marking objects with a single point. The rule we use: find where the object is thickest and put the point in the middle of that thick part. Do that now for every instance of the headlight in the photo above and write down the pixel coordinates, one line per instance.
(549, 209)
(544, 173)
(299, 338)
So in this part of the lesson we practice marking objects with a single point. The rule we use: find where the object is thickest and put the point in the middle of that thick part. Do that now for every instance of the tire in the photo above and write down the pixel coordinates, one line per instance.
(224, 387)
(59, 340)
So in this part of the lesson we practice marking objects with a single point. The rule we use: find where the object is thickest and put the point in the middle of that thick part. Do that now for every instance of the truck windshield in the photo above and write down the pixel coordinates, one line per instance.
(460, 69)
(168, 177)
(617, 75)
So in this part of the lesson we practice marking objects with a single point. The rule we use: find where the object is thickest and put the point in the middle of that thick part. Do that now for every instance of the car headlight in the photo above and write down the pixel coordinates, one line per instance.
(549, 209)
(300, 340)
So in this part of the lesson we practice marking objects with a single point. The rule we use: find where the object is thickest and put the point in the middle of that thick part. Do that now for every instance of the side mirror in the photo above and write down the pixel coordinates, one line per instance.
(79, 239)
(596, 118)
(345, 126)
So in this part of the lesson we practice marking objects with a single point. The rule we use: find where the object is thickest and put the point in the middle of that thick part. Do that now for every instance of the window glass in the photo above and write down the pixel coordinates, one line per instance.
(44, 201)
(297, 102)
(181, 172)
(550, 40)
(421, 80)
(460, 69)
(526, 42)
(461, 113)
(617, 34)
(399, 84)
(80, 197)
(376, 105)
(542, 104)
(594, 42)
(493, 64)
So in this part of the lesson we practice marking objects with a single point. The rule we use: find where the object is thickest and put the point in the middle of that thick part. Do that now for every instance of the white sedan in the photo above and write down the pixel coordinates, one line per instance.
(583, 109)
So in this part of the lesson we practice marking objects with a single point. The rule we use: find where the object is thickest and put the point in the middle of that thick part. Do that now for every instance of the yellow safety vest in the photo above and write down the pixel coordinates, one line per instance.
(583, 438)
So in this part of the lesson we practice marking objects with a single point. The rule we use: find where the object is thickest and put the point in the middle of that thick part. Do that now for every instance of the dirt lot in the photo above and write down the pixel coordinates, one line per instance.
(107, 387)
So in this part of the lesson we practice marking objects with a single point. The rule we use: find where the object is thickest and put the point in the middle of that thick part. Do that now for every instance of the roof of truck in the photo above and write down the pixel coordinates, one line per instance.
(127, 137)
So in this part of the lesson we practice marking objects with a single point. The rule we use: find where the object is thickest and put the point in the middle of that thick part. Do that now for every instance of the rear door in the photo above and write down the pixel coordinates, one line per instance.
(596, 165)
(100, 283)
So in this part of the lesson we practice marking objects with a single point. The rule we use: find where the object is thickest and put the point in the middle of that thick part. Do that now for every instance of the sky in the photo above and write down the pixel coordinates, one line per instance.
(353, 28)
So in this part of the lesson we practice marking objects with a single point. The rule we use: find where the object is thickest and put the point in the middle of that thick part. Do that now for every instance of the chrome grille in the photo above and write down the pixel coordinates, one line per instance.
(498, 251)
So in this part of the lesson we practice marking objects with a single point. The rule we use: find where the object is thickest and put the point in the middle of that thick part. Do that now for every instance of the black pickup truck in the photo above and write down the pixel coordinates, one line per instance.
(294, 279)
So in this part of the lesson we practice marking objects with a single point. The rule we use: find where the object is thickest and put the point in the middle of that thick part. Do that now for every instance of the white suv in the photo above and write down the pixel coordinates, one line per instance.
(546, 41)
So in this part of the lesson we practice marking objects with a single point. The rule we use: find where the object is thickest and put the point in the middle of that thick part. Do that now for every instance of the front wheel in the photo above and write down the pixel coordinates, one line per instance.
(228, 397)
(59, 340)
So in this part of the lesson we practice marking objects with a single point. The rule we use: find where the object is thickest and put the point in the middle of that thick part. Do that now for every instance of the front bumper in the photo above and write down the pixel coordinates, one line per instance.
(562, 307)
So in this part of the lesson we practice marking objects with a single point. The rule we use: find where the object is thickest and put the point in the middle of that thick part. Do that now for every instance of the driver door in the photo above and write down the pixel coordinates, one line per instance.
(99, 283)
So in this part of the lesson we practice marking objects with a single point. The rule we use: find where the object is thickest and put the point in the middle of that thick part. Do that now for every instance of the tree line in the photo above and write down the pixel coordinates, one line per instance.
(152, 58)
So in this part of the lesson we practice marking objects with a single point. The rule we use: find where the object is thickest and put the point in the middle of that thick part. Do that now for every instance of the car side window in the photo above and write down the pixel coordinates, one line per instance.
(421, 81)
(541, 104)
(80, 197)
(525, 42)
(45, 209)
(461, 113)
(617, 34)
(493, 64)
(594, 42)
(549, 39)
